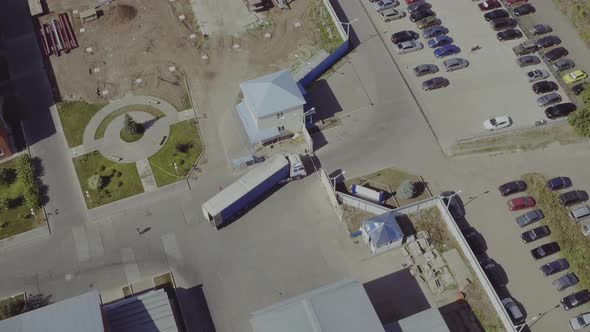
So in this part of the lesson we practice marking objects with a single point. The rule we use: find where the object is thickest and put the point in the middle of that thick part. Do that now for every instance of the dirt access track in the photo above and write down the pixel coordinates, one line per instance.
(142, 39)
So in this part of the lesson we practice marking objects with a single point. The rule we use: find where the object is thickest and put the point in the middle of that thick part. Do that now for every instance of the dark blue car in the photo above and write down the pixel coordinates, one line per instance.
(439, 41)
(558, 183)
(434, 31)
(446, 50)
(555, 266)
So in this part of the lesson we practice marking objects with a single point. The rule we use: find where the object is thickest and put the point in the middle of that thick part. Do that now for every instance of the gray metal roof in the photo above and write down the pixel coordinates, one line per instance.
(148, 312)
(383, 229)
(339, 307)
(247, 182)
(273, 93)
(428, 320)
(80, 313)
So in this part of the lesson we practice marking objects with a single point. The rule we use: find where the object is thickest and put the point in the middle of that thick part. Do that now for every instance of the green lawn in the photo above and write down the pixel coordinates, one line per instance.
(132, 108)
(182, 147)
(74, 116)
(122, 180)
(16, 219)
(326, 35)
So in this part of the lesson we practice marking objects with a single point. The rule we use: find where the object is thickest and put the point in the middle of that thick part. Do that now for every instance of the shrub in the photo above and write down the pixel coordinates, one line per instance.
(7, 176)
(4, 204)
(26, 174)
(580, 121)
(101, 168)
(119, 184)
(33, 197)
(119, 174)
(95, 182)
(407, 189)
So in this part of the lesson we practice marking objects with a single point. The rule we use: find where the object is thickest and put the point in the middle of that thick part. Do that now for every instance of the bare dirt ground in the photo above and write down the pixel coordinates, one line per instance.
(133, 39)
(142, 39)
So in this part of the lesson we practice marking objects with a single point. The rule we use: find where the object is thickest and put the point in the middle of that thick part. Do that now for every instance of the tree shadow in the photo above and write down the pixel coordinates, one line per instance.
(149, 123)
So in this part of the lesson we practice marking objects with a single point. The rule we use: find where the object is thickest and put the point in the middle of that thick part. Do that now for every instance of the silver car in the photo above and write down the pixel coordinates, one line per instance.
(537, 74)
(382, 5)
(455, 64)
(409, 46)
(425, 69)
(580, 321)
(528, 60)
(548, 99)
(391, 14)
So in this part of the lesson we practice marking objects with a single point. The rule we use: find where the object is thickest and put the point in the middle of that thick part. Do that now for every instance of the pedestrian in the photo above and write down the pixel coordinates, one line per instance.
(138, 230)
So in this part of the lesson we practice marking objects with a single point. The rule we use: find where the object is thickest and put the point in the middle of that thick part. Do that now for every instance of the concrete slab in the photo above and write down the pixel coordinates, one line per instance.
(145, 174)
(131, 269)
(81, 243)
(222, 16)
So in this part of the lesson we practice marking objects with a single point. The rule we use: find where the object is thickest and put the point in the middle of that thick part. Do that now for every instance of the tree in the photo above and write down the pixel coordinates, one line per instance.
(131, 127)
(95, 182)
(580, 121)
(407, 189)
(7, 176)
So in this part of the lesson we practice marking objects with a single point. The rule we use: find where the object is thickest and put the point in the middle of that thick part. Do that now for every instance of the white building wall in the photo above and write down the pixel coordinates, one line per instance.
(291, 120)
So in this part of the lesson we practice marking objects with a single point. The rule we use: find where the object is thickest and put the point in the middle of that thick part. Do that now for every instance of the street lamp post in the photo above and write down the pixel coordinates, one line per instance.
(534, 319)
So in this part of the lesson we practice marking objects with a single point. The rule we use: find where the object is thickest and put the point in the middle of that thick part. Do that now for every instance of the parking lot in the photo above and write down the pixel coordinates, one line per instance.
(493, 84)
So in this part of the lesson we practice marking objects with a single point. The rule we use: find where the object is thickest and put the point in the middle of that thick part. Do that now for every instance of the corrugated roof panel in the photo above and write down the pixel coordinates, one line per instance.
(247, 182)
(272, 93)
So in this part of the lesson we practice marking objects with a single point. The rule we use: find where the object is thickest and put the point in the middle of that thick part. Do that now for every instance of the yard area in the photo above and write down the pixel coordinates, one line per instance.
(74, 116)
(430, 220)
(12, 306)
(388, 180)
(132, 108)
(577, 11)
(182, 148)
(15, 215)
(117, 180)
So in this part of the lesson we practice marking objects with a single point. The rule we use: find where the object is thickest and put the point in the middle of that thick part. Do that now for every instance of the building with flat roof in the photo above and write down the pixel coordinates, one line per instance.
(340, 307)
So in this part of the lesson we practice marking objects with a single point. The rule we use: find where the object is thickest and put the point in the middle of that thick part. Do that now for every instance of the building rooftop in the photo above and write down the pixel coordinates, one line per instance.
(339, 307)
(80, 313)
(272, 93)
(428, 320)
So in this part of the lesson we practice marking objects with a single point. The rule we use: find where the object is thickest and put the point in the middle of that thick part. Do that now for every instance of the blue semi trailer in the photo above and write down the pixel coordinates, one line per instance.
(238, 196)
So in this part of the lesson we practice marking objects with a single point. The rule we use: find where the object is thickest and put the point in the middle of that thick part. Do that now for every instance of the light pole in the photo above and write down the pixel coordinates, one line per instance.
(534, 319)
(336, 177)
(449, 197)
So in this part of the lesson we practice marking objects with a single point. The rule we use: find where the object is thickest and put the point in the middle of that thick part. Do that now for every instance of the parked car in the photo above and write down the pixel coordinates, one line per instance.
(529, 218)
(453, 64)
(537, 74)
(509, 34)
(579, 88)
(385, 4)
(575, 299)
(493, 272)
(586, 230)
(548, 41)
(557, 183)
(556, 53)
(427, 22)
(425, 69)
(560, 110)
(489, 5)
(528, 60)
(494, 14)
(555, 266)
(475, 241)
(513, 310)
(409, 46)
(545, 250)
(392, 14)
(454, 204)
(418, 6)
(512, 187)
(563, 64)
(525, 48)
(446, 50)
(573, 197)
(439, 41)
(580, 322)
(503, 23)
(408, 2)
(535, 234)
(544, 87)
(521, 203)
(565, 281)
(575, 76)
(549, 99)
(421, 14)
(435, 83)
(404, 36)
(524, 9)
(580, 213)
(540, 29)
(434, 31)
(512, 3)
(496, 123)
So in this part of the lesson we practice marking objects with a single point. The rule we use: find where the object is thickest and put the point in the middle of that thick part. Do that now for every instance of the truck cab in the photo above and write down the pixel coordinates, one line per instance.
(296, 168)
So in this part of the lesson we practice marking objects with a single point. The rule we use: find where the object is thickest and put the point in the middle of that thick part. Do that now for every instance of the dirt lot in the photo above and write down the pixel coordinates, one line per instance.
(142, 39)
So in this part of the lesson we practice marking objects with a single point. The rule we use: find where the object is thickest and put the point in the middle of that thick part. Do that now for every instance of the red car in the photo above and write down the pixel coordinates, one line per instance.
(411, 1)
(512, 3)
(520, 203)
(489, 5)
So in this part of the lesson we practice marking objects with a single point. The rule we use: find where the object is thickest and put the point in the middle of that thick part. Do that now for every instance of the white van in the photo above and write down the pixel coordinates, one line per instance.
(580, 213)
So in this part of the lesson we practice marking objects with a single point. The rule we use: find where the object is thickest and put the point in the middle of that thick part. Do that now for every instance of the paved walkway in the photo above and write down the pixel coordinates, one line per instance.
(145, 174)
